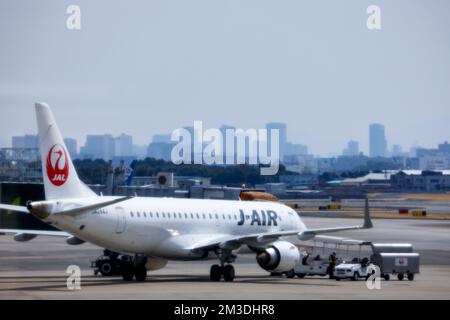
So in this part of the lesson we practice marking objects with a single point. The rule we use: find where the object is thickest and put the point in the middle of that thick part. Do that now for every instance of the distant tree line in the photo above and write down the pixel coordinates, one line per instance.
(95, 171)
(91, 171)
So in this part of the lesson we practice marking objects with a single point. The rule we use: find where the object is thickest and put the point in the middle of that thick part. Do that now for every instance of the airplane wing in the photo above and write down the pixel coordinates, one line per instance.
(14, 208)
(26, 234)
(35, 232)
(233, 242)
(312, 233)
(340, 240)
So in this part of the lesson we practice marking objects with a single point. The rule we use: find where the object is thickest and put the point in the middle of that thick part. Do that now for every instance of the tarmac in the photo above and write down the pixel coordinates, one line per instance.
(37, 270)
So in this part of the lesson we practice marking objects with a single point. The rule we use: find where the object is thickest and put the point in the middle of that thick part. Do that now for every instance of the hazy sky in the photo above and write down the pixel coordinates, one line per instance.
(146, 67)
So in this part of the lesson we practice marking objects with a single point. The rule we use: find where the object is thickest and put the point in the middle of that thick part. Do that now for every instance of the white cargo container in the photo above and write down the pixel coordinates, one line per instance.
(397, 263)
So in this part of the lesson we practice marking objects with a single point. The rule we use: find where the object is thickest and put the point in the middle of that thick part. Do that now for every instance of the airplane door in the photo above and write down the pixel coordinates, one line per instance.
(121, 220)
(291, 222)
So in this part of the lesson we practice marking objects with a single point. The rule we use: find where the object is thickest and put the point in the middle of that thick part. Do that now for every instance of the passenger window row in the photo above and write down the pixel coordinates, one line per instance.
(169, 215)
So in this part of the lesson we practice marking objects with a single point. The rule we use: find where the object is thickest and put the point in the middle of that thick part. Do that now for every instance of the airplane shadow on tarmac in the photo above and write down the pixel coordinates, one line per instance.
(58, 283)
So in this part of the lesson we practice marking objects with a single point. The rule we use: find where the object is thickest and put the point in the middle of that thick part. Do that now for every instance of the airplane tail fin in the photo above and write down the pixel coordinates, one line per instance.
(130, 172)
(59, 175)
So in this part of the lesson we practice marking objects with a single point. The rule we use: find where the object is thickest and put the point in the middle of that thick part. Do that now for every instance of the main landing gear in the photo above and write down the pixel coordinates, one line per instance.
(113, 264)
(223, 270)
(134, 268)
(108, 264)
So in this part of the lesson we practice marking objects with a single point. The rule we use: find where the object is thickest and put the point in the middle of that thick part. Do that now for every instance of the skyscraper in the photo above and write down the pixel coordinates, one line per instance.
(160, 150)
(295, 149)
(396, 150)
(123, 145)
(282, 134)
(162, 138)
(71, 145)
(99, 147)
(444, 147)
(26, 141)
(377, 141)
(160, 147)
(352, 148)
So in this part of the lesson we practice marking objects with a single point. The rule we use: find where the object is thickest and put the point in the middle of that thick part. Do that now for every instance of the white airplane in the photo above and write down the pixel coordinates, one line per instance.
(152, 231)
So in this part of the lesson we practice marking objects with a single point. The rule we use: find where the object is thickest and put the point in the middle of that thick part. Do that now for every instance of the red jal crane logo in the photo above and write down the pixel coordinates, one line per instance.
(57, 165)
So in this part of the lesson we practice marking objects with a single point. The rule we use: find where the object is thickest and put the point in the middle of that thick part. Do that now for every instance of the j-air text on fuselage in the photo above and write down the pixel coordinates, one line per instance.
(262, 218)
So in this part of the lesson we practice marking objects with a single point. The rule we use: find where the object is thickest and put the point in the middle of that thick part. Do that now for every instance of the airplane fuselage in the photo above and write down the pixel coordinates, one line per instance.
(167, 227)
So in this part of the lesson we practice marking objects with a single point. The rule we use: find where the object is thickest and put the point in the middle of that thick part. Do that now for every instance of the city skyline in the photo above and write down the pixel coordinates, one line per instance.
(160, 144)
(335, 150)
(294, 157)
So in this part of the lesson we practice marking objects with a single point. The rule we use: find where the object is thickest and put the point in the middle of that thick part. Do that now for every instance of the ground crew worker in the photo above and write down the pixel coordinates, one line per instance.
(305, 259)
(331, 264)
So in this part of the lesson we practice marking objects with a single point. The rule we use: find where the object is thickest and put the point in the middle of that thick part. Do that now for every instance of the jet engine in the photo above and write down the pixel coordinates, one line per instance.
(280, 256)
